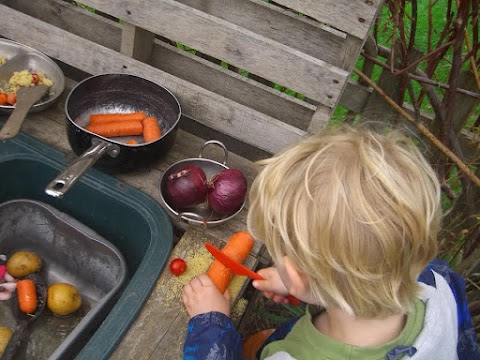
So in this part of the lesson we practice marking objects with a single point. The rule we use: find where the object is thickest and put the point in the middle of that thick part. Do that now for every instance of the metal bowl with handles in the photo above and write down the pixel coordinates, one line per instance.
(200, 214)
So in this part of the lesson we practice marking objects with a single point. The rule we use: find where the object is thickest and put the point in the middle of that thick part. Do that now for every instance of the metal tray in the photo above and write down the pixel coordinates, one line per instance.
(73, 253)
(33, 61)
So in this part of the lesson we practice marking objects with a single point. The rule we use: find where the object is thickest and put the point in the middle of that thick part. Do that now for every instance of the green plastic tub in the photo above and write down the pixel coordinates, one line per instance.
(131, 220)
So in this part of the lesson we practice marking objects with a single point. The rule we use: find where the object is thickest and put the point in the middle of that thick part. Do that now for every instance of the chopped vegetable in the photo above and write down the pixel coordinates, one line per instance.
(186, 187)
(118, 128)
(11, 98)
(3, 98)
(106, 118)
(22, 263)
(227, 191)
(151, 129)
(238, 247)
(35, 78)
(178, 266)
(27, 295)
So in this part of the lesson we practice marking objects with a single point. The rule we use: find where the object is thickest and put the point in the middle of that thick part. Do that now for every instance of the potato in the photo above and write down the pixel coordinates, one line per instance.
(23, 263)
(5, 335)
(63, 299)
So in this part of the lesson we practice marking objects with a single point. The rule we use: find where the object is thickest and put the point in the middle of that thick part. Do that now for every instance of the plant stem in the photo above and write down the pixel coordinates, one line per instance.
(422, 128)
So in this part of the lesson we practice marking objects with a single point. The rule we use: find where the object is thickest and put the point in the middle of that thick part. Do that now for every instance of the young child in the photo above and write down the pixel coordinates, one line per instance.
(350, 218)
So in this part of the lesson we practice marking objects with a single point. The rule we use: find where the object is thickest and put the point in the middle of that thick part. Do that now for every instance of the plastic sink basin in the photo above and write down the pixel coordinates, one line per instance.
(131, 220)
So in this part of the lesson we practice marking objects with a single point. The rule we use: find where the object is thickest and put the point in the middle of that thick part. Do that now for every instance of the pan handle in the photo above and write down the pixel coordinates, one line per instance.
(63, 182)
(218, 143)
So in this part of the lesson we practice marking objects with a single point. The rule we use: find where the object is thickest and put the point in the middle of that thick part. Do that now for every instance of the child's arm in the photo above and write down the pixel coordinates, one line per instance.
(201, 296)
(211, 332)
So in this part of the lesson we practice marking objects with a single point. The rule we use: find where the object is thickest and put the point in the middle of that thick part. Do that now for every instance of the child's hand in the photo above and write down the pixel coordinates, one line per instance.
(272, 286)
(201, 296)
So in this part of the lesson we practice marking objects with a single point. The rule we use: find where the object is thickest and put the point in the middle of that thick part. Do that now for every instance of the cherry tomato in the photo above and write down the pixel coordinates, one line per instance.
(36, 78)
(178, 266)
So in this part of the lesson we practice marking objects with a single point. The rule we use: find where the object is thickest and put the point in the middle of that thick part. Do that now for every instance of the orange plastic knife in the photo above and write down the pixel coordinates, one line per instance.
(240, 269)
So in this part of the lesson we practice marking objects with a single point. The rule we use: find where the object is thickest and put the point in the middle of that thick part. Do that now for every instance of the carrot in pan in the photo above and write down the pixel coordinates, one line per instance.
(119, 128)
(27, 295)
(238, 247)
(151, 129)
(106, 118)
(132, 142)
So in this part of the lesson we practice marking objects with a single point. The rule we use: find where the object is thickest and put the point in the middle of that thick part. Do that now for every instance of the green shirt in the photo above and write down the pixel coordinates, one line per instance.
(305, 342)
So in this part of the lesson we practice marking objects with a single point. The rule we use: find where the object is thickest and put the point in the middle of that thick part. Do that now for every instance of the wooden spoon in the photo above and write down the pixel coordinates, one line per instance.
(26, 98)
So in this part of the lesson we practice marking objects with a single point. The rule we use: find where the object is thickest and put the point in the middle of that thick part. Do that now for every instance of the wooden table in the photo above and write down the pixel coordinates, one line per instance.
(160, 328)
(257, 37)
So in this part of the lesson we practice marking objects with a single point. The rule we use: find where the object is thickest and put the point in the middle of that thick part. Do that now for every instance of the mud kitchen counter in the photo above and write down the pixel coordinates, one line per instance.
(160, 327)
(233, 65)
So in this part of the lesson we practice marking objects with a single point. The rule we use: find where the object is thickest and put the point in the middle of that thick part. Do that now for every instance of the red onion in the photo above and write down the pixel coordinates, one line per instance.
(187, 187)
(226, 191)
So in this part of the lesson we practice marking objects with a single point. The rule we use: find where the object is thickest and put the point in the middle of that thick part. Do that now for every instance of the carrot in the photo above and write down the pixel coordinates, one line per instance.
(27, 295)
(11, 98)
(3, 98)
(132, 142)
(106, 118)
(151, 129)
(119, 128)
(238, 247)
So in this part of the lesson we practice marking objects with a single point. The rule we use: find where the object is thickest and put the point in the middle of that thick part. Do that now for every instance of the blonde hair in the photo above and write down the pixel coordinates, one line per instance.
(356, 211)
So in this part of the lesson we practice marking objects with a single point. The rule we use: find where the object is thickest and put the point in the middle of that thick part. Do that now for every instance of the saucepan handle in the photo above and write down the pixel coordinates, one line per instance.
(63, 182)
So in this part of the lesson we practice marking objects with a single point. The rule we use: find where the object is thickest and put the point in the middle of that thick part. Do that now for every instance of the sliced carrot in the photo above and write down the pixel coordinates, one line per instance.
(3, 98)
(119, 128)
(106, 118)
(27, 295)
(238, 247)
(11, 98)
(151, 129)
(132, 142)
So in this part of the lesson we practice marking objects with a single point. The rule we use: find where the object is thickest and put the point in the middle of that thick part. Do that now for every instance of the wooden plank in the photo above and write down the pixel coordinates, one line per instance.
(352, 48)
(355, 96)
(215, 111)
(72, 19)
(273, 22)
(159, 330)
(238, 88)
(137, 42)
(351, 16)
(177, 62)
(319, 120)
(244, 49)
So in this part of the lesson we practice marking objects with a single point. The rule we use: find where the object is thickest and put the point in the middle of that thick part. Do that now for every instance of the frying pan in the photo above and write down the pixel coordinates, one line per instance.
(115, 93)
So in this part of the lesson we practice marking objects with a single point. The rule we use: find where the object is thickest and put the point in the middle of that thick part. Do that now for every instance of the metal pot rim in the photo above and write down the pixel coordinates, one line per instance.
(122, 144)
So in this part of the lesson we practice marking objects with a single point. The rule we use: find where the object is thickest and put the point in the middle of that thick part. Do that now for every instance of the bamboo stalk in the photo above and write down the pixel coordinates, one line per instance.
(422, 128)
